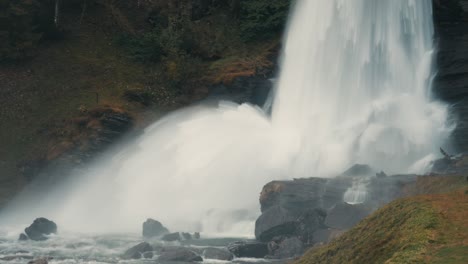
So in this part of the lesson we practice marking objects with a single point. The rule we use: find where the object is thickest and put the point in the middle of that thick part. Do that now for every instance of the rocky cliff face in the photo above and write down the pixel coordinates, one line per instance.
(451, 83)
(315, 210)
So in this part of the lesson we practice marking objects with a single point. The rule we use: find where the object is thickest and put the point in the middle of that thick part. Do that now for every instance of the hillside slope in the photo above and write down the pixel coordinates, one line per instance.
(93, 65)
(431, 228)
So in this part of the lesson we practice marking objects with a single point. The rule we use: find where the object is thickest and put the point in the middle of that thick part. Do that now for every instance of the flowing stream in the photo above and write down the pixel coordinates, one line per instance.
(354, 88)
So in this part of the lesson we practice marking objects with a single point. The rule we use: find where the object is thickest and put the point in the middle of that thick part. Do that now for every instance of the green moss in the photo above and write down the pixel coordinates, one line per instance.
(452, 255)
(397, 233)
(262, 19)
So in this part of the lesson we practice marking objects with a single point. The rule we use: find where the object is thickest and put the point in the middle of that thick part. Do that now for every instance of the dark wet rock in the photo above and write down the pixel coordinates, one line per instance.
(299, 207)
(298, 194)
(186, 236)
(344, 216)
(171, 237)
(381, 174)
(453, 165)
(40, 229)
(282, 248)
(177, 236)
(153, 228)
(142, 250)
(40, 261)
(359, 170)
(179, 254)
(217, 253)
(275, 221)
(248, 249)
(451, 81)
(196, 235)
(23, 237)
(278, 221)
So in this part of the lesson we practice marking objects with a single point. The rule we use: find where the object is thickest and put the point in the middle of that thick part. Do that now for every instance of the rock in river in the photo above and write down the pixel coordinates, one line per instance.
(217, 253)
(179, 254)
(40, 229)
(153, 228)
(250, 249)
(142, 250)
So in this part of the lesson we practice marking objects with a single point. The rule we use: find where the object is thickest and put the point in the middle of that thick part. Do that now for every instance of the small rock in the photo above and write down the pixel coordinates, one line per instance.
(187, 236)
(40, 228)
(217, 253)
(244, 249)
(153, 228)
(142, 250)
(179, 254)
(40, 261)
(196, 235)
(23, 237)
(381, 174)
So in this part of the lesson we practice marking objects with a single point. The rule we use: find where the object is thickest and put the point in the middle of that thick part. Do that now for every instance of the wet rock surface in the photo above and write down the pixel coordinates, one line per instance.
(142, 250)
(23, 237)
(248, 249)
(39, 261)
(283, 248)
(153, 228)
(179, 254)
(217, 253)
(40, 229)
(314, 210)
(451, 82)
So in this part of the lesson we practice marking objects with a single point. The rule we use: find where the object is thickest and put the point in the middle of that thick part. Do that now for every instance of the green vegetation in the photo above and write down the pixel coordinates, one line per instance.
(422, 229)
(169, 53)
(263, 18)
(18, 28)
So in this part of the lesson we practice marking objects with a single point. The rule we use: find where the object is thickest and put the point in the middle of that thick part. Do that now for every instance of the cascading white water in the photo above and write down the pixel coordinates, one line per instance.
(354, 88)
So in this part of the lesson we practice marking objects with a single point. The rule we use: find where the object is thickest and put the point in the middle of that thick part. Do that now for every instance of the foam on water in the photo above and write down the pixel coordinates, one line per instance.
(354, 88)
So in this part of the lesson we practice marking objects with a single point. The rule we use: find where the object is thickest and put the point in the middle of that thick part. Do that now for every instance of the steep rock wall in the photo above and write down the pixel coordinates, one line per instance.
(451, 82)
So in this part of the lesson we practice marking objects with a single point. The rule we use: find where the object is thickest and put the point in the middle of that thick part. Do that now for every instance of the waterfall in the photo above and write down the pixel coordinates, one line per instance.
(354, 88)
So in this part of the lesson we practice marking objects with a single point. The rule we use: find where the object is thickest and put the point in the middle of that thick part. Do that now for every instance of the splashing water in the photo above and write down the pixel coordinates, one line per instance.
(354, 88)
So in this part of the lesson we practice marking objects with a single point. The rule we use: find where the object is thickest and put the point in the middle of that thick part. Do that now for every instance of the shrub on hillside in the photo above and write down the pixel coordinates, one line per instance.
(260, 19)
(18, 30)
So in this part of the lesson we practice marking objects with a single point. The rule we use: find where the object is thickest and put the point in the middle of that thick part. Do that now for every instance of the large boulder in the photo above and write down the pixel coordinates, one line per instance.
(153, 228)
(248, 249)
(278, 221)
(142, 250)
(217, 253)
(283, 248)
(40, 229)
(179, 254)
